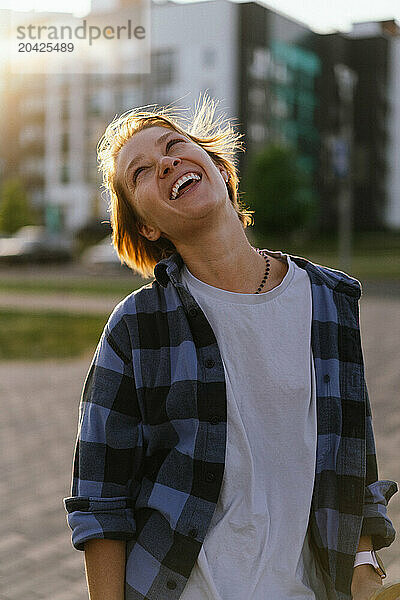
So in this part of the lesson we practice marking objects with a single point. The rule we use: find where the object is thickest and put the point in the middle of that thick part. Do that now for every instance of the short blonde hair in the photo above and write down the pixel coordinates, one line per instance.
(215, 135)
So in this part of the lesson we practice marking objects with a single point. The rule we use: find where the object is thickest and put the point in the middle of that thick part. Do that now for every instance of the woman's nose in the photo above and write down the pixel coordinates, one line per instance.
(167, 164)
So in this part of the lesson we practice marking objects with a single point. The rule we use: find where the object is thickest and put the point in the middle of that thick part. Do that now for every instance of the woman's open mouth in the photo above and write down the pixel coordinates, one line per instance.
(184, 185)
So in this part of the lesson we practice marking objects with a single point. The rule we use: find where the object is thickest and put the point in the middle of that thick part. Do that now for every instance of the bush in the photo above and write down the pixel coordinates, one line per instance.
(15, 210)
(279, 191)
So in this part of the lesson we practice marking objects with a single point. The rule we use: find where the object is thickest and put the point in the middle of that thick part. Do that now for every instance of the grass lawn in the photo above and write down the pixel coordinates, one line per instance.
(374, 255)
(96, 287)
(379, 266)
(39, 335)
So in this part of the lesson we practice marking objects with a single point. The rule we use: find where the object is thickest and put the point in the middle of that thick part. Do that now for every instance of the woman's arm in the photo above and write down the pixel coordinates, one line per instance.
(105, 569)
(107, 465)
(107, 451)
(376, 522)
(365, 579)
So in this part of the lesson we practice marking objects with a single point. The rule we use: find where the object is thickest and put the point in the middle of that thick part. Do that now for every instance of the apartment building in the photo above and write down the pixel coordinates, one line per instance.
(371, 51)
(270, 72)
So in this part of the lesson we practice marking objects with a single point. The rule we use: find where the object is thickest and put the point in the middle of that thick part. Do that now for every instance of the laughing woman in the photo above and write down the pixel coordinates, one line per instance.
(225, 448)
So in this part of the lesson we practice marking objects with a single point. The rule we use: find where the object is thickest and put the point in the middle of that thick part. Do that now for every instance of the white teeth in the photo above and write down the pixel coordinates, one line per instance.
(181, 180)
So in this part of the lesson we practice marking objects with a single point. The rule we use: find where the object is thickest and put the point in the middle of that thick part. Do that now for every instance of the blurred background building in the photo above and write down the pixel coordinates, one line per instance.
(371, 51)
(272, 73)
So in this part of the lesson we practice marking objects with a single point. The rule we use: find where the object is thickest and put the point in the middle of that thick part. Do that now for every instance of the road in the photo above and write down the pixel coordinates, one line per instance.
(37, 433)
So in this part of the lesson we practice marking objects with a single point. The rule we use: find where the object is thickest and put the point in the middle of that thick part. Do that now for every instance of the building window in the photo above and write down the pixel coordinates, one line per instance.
(257, 99)
(64, 105)
(257, 132)
(32, 104)
(64, 174)
(94, 106)
(65, 142)
(30, 134)
(279, 107)
(280, 73)
(32, 166)
(260, 63)
(163, 66)
(161, 96)
(131, 96)
(100, 101)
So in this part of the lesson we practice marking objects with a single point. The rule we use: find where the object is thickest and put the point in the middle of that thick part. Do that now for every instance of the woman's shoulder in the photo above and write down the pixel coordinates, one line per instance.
(129, 304)
(150, 298)
(337, 280)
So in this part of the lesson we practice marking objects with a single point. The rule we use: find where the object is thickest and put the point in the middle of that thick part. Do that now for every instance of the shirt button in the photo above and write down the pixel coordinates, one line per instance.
(214, 420)
(193, 312)
(193, 532)
(209, 363)
(326, 378)
(171, 584)
(210, 476)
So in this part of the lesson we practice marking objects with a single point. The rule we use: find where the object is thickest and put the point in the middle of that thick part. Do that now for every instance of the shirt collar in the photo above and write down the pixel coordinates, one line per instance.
(168, 269)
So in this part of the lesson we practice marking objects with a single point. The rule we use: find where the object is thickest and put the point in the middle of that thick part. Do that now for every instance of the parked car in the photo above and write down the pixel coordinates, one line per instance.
(102, 254)
(33, 243)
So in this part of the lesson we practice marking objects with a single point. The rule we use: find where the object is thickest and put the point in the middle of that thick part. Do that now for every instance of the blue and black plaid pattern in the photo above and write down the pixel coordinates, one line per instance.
(150, 450)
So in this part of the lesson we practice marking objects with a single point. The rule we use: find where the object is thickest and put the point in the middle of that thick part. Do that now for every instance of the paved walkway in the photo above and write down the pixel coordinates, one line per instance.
(37, 433)
(90, 303)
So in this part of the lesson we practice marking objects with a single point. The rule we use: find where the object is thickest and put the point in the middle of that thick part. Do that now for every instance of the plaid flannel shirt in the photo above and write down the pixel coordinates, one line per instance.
(150, 451)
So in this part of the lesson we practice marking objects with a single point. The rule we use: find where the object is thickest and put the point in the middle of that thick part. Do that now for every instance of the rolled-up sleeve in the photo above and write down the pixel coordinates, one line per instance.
(108, 449)
(102, 518)
(376, 522)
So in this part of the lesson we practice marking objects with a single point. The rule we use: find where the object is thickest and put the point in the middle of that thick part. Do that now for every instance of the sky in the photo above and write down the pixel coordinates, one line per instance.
(321, 15)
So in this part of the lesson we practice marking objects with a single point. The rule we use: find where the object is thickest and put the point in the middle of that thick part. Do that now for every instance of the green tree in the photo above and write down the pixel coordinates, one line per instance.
(279, 191)
(15, 210)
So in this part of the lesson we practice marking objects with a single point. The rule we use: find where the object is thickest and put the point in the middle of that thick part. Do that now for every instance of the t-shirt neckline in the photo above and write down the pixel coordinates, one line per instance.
(238, 298)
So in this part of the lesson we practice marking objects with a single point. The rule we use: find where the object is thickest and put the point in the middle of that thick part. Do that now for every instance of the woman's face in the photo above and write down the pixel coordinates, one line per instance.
(172, 182)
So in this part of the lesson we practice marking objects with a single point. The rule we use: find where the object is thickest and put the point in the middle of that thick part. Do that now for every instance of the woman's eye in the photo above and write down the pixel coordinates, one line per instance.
(169, 144)
(136, 173)
(172, 142)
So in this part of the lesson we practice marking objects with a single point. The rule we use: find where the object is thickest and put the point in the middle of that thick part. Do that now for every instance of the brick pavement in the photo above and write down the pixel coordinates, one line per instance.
(37, 433)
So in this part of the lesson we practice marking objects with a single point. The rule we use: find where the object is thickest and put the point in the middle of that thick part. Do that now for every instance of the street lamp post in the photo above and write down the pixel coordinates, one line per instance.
(343, 152)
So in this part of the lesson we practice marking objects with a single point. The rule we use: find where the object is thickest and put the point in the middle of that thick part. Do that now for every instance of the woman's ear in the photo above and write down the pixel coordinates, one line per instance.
(149, 232)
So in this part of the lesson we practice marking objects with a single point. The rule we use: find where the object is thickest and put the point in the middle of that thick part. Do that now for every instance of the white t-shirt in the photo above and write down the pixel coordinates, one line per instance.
(256, 547)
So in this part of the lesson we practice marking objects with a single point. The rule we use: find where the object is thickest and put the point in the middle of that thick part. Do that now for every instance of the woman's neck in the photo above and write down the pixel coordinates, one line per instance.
(231, 263)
